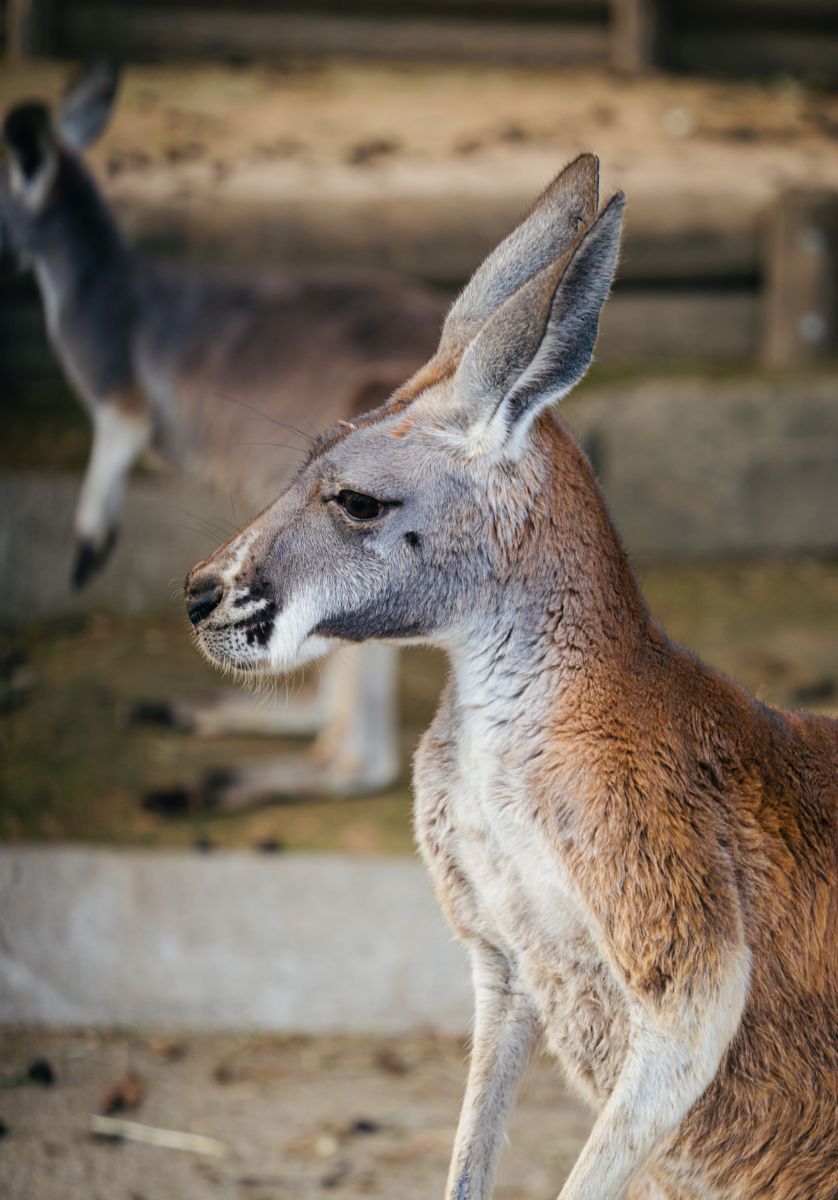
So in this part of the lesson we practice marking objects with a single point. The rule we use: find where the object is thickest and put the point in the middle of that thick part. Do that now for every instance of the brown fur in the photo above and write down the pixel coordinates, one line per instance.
(696, 808)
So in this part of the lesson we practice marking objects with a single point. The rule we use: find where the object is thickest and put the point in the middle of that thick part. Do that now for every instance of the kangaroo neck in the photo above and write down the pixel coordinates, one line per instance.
(568, 614)
(78, 245)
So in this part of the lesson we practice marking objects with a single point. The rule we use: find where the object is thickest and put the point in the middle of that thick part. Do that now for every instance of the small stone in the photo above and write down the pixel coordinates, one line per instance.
(270, 845)
(40, 1071)
(326, 1145)
(364, 1125)
(169, 1049)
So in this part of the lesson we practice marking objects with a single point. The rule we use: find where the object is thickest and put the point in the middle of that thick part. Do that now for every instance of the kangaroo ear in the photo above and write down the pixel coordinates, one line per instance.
(86, 108)
(28, 137)
(550, 228)
(539, 343)
(33, 159)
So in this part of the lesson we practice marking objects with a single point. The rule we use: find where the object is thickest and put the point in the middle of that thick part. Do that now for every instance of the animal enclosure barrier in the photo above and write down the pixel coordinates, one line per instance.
(702, 283)
(733, 37)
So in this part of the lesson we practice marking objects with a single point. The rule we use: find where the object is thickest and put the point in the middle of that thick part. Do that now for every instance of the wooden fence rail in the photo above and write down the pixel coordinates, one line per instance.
(747, 288)
(738, 37)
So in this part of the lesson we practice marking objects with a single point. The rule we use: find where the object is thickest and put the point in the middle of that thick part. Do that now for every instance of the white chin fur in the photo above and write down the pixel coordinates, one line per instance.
(285, 660)
(272, 660)
(290, 645)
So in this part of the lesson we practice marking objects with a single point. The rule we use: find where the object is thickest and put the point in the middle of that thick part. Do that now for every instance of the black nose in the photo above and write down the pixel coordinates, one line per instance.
(201, 605)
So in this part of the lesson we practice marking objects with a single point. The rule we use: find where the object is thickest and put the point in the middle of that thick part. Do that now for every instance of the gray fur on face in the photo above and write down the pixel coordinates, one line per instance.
(402, 575)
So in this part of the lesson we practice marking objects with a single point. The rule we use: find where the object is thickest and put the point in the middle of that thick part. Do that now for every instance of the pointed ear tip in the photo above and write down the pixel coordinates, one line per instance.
(102, 73)
(586, 165)
(615, 206)
(108, 70)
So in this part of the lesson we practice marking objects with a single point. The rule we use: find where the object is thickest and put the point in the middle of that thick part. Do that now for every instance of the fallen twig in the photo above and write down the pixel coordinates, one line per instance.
(167, 1139)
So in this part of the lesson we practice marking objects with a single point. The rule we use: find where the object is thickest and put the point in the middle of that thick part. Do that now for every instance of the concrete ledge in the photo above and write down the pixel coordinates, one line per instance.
(226, 941)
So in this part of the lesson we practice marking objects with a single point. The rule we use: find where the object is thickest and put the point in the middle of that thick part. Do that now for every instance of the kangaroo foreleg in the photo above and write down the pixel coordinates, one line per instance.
(506, 1034)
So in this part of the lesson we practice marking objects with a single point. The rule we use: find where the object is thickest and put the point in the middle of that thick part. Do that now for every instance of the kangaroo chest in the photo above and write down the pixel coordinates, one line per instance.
(500, 880)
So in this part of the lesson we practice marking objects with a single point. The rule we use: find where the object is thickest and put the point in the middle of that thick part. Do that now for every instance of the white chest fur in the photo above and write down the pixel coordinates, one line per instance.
(523, 889)
(486, 841)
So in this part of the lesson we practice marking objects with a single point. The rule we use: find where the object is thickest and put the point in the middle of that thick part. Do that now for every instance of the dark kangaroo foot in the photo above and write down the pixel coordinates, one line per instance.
(89, 560)
(200, 796)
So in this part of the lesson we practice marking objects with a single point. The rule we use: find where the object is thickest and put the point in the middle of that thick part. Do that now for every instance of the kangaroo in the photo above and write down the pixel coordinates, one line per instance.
(181, 362)
(641, 859)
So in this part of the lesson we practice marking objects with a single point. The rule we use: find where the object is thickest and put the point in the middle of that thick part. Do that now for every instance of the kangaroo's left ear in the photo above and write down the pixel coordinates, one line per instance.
(33, 159)
(539, 343)
(87, 105)
(27, 136)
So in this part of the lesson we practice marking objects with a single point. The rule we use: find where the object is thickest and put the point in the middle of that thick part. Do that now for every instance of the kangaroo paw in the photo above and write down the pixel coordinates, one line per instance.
(163, 715)
(90, 559)
(286, 779)
(201, 795)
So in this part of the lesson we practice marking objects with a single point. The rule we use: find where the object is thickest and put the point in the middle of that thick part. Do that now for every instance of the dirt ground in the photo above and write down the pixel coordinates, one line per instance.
(212, 135)
(295, 1117)
(346, 1117)
(74, 766)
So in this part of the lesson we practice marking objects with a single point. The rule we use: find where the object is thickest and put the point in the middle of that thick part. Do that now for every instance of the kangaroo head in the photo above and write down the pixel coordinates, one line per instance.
(404, 525)
(42, 158)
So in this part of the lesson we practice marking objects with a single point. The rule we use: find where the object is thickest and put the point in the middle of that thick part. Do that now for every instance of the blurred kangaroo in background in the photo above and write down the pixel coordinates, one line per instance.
(641, 859)
(178, 361)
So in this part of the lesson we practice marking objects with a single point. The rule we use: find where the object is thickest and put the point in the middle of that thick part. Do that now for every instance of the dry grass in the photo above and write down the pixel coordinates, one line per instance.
(73, 765)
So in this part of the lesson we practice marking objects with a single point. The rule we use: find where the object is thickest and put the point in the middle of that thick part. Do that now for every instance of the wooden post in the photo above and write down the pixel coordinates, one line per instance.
(27, 29)
(636, 34)
(801, 279)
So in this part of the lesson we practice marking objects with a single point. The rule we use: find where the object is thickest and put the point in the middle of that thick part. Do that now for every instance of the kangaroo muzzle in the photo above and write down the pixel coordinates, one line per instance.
(203, 592)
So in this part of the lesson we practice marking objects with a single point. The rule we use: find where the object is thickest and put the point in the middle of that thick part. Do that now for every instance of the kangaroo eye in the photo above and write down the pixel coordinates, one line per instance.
(360, 507)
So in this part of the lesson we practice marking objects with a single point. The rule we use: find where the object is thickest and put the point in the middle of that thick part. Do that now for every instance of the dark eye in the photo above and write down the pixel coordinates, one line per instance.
(360, 507)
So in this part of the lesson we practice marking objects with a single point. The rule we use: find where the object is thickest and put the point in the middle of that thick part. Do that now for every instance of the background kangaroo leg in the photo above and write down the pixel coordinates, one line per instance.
(358, 747)
(293, 714)
(356, 750)
(119, 437)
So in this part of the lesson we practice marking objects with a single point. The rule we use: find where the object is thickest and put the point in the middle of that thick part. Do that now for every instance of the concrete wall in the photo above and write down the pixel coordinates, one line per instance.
(309, 943)
(708, 468)
(163, 533)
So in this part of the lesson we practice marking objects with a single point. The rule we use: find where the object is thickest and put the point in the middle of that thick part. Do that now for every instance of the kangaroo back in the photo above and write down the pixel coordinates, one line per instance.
(207, 366)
